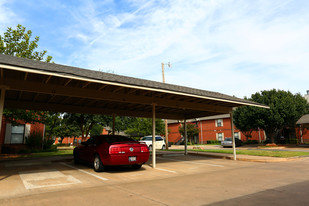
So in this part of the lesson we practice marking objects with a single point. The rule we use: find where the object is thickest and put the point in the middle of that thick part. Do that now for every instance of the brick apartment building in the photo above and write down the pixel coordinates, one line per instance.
(219, 127)
(211, 128)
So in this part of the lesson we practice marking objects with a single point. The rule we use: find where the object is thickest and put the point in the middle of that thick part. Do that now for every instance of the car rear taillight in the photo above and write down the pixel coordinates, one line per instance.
(144, 148)
(116, 150)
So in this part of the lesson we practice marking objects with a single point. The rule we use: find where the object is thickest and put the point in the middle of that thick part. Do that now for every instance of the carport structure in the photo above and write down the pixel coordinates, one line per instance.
(35, 85)
(303, 124)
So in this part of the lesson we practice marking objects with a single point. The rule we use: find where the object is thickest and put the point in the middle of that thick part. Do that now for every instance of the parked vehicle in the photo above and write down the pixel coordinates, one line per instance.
(160, 142)
(111, 150)
(228, 142)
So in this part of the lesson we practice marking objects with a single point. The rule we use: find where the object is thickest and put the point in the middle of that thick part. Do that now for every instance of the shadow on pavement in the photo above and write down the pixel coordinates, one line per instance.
(294, 194)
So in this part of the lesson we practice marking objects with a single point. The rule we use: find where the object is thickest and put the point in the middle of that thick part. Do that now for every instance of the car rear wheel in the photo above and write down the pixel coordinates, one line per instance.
(163, 147)
(97, 164)
(136, 166)
(76, 158)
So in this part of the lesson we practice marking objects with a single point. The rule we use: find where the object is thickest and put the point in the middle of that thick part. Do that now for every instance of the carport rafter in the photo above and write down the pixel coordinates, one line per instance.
(90, 110)
(105, 95)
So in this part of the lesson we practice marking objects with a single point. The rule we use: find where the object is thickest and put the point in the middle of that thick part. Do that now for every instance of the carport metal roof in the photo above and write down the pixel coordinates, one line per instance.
(44, 86)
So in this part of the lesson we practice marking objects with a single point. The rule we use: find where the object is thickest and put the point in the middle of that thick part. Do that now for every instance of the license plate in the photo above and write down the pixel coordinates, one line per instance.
(132, 159)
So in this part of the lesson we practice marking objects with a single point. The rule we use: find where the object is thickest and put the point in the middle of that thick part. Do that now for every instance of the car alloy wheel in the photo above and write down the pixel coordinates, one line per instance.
(97, 164)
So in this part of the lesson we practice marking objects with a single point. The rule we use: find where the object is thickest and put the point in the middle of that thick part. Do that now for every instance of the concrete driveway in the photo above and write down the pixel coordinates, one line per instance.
(177, 180)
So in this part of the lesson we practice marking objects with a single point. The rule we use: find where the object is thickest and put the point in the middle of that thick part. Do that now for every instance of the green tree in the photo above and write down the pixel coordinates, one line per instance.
(122, 123)
(285, 110)
(96, 130)
(139, 127)
(52, 122)
(192, 131)
(85, 122)
(18, 42)
(245, 121)
(14, 115)
(67, 129)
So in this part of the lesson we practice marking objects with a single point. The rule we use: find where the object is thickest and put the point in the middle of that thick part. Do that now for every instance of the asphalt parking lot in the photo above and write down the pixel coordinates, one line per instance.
(177, 180)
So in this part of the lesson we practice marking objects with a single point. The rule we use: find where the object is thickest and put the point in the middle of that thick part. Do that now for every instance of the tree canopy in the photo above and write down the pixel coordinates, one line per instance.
(192, 131)
(18, 42)
(139, 127)
(85, 122)
(285, 109)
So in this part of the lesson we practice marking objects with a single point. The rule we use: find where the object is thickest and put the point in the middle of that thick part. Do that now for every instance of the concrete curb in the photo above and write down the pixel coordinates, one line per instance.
(246, 157)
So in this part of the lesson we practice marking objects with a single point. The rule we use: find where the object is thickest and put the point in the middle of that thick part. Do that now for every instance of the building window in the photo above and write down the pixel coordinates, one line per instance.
(17, 134)
(220, 137)
(219, 123)
(236, 135)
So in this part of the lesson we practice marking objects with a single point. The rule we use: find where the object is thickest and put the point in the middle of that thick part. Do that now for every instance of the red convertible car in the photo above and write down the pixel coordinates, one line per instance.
(111, 150)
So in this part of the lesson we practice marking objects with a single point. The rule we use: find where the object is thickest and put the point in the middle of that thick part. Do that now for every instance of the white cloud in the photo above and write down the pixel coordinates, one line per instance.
(236, 47)
(7, 16)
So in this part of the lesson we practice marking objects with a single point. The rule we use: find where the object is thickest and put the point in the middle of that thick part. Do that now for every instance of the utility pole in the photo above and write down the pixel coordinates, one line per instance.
(163, 80)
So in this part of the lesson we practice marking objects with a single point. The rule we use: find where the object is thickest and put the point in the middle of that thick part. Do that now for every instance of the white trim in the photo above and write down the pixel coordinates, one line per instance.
(217, 136)
(216, 122)
(123, 85)
(239, 135)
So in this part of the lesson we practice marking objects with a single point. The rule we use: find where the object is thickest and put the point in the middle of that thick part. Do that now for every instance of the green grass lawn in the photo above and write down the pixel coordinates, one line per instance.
(54, 153)
(42, 154)
(255, 152)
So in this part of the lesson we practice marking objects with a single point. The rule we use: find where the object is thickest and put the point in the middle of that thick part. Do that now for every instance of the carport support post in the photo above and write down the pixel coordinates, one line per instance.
(233, 136)
(185, 136)
(1, 111)
(153, 136)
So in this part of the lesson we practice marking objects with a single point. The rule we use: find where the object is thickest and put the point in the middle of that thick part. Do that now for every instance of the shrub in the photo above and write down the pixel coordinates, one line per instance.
(24, 151)
(293, 141)
(267, 141)
(61, 144)
(47, 143)
(213, 142)
(251, 142)
(34, 140)
(53, 148)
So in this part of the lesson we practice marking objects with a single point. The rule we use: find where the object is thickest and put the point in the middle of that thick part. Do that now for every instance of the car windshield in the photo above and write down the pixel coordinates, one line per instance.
(113, 138)
(149, 138)
(146, 138)
(159, 139)
(228, 139)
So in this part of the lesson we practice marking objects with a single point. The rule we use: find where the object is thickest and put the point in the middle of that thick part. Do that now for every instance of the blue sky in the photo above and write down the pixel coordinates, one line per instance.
(234, 47)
